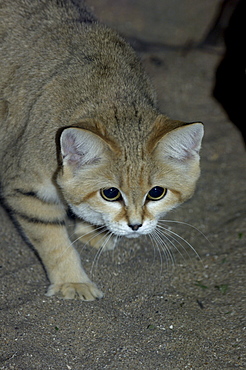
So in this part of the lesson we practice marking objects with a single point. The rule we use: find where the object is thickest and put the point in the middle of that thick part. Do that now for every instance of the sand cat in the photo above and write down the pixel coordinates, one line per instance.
(80, 131)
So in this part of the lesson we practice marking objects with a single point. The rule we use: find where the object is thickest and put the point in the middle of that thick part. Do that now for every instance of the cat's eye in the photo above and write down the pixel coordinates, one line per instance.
(110, 194)
(156, 193)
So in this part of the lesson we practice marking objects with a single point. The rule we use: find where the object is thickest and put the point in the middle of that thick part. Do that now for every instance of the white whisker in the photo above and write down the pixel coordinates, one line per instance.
(178, 239)
(165, 247)
(105, 238)
(98, 229)
(102, 231)
(78, 238)
(155, 244)
(187, 224)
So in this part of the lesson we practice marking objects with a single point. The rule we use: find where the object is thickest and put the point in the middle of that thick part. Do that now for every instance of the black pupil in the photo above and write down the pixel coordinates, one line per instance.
(156, 192)
(111, 193)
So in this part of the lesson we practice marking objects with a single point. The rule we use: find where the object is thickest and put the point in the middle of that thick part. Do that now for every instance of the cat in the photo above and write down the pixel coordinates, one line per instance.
(81, 131)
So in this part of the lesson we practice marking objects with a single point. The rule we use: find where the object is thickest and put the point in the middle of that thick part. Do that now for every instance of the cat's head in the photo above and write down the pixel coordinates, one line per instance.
(127, 187)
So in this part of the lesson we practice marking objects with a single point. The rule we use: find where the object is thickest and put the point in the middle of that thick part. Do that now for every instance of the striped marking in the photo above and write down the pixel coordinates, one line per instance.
(38, 220)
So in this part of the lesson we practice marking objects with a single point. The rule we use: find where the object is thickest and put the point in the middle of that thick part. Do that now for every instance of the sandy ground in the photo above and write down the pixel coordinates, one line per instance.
(160, 311)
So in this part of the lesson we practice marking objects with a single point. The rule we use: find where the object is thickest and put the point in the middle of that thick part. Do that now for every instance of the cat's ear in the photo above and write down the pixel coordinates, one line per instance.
(81, 147)
(182, 143)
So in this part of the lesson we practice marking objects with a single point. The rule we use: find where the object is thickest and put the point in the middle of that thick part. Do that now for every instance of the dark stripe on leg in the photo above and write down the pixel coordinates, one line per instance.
(27, 193)
(40, 221)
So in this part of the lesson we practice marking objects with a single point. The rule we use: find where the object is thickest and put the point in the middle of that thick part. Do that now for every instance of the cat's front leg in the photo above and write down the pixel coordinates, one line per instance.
(44, 225)
(61, 260)
(94, 236)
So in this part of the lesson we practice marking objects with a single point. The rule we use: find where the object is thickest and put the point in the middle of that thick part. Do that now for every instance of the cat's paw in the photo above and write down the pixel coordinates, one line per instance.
(84, 291)
(88, 234)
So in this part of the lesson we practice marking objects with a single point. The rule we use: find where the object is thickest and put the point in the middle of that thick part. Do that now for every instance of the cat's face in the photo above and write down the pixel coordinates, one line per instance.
(128, 191)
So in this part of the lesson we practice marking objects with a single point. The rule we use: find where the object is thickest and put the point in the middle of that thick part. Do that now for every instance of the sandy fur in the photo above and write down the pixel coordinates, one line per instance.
(79, 115)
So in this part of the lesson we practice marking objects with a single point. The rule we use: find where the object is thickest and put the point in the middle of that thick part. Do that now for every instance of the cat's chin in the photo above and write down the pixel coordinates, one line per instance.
(133, 235)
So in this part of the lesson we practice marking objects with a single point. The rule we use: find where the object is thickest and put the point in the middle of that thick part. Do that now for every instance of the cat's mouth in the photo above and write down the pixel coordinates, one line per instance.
(122, 232)
(130, 234)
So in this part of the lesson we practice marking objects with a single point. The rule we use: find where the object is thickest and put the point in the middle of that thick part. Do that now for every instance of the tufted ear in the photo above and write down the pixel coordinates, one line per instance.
(81, 147)
(182, 143)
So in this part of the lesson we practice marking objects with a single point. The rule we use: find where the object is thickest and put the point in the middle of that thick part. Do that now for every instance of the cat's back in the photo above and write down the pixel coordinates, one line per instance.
(41, 39)
(35, 44)
(22, 16)
(32, 31)
(58, 65)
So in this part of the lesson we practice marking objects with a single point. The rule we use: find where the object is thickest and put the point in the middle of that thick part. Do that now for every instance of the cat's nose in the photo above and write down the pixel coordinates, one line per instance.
(135, 227)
